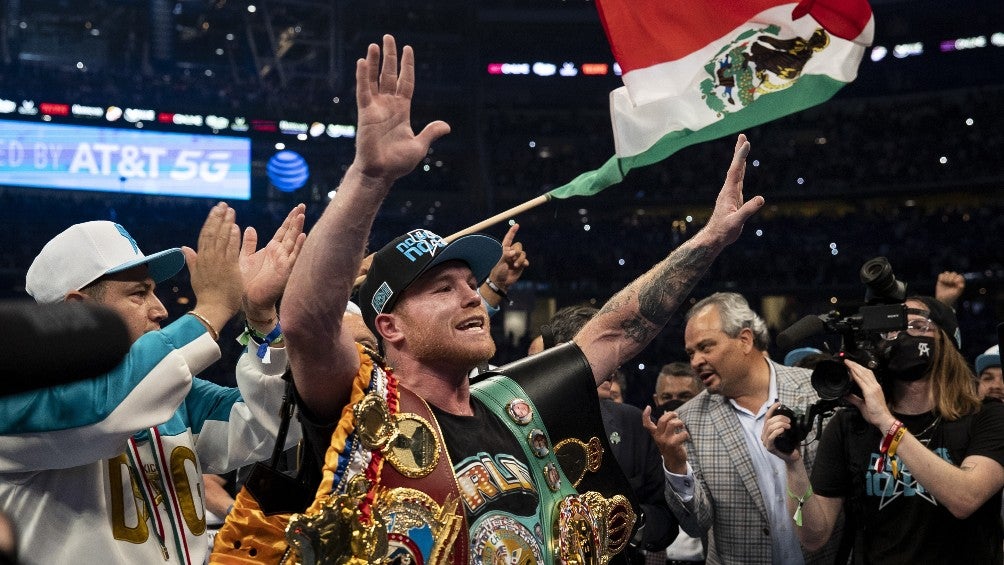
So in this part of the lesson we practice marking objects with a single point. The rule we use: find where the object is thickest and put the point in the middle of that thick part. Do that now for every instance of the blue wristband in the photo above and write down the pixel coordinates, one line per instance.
(492, 310)
(261, 341)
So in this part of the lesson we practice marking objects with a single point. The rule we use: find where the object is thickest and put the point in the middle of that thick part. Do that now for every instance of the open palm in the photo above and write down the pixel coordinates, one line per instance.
(265, 271)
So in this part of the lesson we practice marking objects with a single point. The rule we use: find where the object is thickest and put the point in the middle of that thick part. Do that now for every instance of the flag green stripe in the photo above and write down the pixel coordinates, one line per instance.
(808, 91)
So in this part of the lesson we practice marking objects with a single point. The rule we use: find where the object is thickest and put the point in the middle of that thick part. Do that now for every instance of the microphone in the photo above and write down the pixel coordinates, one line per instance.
(802, 329)
(43, 345)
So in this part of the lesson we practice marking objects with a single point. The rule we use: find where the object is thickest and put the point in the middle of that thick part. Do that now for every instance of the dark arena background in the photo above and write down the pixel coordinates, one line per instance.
(905, 163)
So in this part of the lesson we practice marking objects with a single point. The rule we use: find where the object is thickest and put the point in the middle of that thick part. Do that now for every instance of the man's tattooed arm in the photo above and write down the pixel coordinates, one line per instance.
(658, 294)
(632, 317)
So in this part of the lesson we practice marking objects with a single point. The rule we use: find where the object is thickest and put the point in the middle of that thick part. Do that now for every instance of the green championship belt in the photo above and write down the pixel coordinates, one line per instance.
(560, 391)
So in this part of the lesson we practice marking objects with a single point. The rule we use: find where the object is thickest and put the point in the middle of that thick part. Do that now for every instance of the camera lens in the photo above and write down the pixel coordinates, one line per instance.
(877, 275)
(830, 379)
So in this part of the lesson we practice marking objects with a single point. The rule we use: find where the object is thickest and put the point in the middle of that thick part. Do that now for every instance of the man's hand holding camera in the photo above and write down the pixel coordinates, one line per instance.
(774, 427)
(871, 403)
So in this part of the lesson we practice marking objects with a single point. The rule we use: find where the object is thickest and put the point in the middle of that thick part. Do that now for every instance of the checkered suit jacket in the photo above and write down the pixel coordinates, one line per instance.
(727, 498)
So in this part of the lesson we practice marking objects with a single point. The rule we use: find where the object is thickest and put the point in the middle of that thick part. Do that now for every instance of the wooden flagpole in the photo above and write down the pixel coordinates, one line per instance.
(501, 216)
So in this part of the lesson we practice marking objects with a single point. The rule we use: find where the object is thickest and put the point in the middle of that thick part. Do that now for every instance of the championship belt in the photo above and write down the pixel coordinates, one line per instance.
(420, 500)
(570, 410)
(576, 529)
(404, 507)
(394, 498)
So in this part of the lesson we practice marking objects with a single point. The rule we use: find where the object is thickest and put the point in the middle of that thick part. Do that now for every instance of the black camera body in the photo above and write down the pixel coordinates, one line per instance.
(861, 342)
(802, 423)
(861, 334)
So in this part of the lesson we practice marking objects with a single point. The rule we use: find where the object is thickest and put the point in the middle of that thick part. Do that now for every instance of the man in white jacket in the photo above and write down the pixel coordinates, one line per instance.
(109, 470)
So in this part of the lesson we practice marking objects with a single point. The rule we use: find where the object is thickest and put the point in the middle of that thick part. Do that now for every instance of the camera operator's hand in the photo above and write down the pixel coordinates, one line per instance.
(773, 427)
(871, 403)
(669, 434)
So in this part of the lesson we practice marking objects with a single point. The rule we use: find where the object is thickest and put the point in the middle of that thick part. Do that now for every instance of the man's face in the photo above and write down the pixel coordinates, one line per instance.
(610, 390)
(990, 383)
(674, 387)
(442, 318)
(131, 295)
(719, 360)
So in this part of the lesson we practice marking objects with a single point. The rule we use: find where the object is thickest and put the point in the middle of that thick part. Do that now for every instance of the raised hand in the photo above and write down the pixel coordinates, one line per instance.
(510, 267)
(264, 271)
(213, 270)
(731, 212)
(386, 146)
(669, 434)
(949, 287)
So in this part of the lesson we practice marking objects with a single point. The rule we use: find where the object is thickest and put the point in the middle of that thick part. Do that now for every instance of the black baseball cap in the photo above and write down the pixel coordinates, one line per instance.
(943, 315)
(404, 259)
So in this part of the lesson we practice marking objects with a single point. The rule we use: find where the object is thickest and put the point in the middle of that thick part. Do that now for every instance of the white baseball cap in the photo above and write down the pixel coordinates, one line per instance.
(989, 358)
(85, 252)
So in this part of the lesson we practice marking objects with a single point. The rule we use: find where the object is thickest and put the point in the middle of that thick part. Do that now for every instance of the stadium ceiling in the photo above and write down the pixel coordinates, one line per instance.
(293, 45)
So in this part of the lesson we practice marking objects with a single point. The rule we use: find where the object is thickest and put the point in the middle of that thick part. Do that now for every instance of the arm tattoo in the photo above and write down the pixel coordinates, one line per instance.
(672, 283)
(638, 329)
(616, 302)
(659, 296)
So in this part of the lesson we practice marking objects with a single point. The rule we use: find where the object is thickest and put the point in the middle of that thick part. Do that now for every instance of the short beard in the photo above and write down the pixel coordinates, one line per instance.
(431, 350)
(438, 355)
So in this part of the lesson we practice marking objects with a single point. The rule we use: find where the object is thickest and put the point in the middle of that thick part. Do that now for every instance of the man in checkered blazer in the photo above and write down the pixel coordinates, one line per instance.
(720, 481)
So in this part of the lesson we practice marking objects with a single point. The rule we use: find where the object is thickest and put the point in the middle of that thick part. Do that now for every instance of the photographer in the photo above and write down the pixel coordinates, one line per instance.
(920, 463)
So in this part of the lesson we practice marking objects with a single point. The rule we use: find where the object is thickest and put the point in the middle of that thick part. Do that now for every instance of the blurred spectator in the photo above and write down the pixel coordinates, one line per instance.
(804, 357)
(989, 383)
(677, 383)
(949, 287)
(614, 389)
(795, 356)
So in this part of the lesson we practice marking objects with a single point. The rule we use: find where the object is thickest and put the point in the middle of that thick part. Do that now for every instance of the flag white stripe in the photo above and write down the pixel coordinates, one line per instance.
(667, 97)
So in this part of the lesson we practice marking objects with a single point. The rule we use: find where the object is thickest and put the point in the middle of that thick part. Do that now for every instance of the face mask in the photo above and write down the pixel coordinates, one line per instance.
(671, 405)
(668, 406)
(909, 356)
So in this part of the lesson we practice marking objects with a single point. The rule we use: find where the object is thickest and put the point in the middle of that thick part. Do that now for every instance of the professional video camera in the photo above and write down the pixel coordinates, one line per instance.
(861, 341)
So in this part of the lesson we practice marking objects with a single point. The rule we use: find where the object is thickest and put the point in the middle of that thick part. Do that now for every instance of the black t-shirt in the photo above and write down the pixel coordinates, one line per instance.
(489, 464)
(898, 520)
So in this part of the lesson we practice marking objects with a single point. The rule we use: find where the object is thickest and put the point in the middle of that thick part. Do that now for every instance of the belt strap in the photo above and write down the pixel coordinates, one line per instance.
(441, 483)
(496, 393)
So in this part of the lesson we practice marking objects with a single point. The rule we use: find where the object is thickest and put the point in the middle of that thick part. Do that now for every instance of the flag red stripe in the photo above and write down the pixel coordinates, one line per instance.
(842, 18)
(643, 33)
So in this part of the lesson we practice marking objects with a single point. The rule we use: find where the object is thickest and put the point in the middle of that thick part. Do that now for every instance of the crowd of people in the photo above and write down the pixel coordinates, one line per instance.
(390, 376)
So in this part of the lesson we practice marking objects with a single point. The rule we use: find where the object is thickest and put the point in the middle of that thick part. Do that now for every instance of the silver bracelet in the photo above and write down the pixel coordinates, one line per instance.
(495, 288)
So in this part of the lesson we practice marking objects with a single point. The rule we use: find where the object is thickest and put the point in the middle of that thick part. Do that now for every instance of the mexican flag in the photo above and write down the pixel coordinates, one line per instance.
(696, 70)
